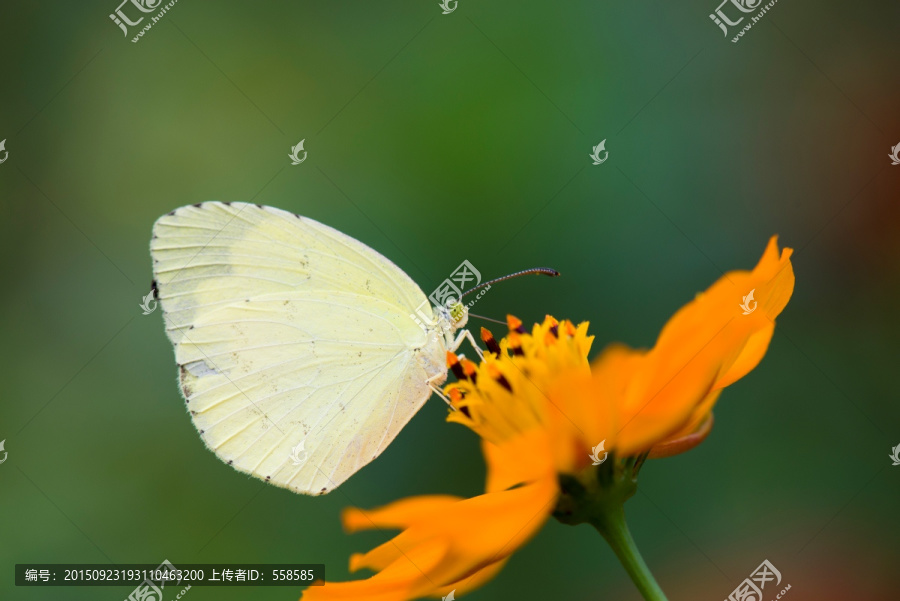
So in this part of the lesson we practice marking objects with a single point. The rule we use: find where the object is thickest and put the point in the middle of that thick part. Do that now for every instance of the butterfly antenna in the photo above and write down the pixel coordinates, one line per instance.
(537, 270)
(487, 318)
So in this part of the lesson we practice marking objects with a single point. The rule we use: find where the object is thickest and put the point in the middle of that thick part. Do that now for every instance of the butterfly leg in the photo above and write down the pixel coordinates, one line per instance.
(438, 391)
(466, 335)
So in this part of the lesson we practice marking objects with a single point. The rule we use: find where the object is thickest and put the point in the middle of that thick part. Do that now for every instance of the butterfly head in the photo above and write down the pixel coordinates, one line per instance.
(458, 314)
(452, 316)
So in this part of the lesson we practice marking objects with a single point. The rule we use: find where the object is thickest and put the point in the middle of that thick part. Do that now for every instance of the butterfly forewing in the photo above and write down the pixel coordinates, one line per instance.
(287, 331)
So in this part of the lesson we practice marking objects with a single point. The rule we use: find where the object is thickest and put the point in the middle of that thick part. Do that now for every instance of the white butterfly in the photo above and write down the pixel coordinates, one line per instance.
(287, 333)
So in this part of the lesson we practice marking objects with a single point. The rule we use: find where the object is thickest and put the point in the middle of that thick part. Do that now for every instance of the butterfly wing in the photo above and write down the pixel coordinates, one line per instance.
(288, 331)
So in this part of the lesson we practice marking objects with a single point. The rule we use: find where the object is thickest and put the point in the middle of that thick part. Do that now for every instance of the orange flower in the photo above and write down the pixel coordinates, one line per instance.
(540, 407)
(666, 394)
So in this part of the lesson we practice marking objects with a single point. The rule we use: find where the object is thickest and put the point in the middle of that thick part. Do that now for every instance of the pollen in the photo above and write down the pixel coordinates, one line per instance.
(455, 367)
(554, 325)
(489, 341)
(506, 394)
(515, 324)
(496, 375)
(457, 397)
(470, 370)
(515, 344)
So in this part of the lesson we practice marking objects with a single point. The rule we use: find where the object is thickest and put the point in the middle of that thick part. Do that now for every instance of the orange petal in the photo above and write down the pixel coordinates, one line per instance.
(399, 514)
(662, 396)
(522, 459)
(474, 581)
(450, 546)
(680, 443)
(580, 416)
(399, 581)
(708, 344)
(749, 357)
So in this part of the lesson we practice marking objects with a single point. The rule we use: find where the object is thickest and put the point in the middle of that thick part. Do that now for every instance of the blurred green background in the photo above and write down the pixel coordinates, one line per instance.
(436, 138)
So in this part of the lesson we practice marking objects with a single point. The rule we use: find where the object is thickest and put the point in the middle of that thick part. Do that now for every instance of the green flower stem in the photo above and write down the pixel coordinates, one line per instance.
(597, 497)
(611, 524)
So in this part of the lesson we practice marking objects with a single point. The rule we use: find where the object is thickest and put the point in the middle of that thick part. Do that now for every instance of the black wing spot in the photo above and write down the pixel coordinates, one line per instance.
(231, 462)
(185, 389)
(198, 205)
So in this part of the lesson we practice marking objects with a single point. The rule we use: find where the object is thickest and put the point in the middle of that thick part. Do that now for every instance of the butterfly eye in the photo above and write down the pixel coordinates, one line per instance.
(459, 314)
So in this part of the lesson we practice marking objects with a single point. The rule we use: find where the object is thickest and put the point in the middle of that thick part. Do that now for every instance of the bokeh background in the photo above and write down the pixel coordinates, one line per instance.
(436, 138)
